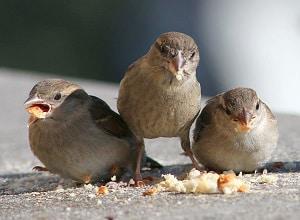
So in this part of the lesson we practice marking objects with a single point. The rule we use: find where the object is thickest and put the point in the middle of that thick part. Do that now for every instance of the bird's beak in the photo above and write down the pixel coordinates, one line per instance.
(37, 107)
(244, 120)
(176, 65)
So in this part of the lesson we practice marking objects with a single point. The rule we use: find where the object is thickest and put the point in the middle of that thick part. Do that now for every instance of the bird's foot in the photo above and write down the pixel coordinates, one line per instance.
(140, 183)
(138, 180)
(40, 169)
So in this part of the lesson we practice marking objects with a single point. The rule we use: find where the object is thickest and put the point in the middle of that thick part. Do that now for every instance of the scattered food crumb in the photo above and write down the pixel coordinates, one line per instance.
(266, 178)
(102, 190)
(72, 194)
(91, 196)
(150, 192)
(88, 186)
(131, 182)
(113, 178)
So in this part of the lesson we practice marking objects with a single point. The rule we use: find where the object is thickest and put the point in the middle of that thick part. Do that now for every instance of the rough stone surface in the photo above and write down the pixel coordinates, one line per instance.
(28, 195)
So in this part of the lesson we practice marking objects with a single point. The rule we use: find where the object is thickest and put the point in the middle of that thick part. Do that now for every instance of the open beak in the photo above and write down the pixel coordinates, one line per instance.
(37, 108)
(176, 65)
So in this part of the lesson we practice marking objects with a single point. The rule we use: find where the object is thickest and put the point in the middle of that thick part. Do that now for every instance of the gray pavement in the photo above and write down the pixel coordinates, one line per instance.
(28, 195)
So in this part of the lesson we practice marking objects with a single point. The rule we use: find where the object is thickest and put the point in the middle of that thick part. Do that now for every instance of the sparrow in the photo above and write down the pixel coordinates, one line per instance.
(235, 131)
(77, 135)
(159, 95)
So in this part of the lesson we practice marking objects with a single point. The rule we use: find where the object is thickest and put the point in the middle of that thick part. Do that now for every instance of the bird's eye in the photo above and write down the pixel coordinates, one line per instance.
(257, 106)
(164, 48)
(57, 96)
(193, 54)
(228, 112)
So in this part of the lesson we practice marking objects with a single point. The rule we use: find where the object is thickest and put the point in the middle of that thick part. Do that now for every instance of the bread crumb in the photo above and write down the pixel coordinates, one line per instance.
(102, 190)
(131, 182)
(179, 76)
(150, 192)
(88, 186)
(229, 183)
(37, 111)
(91, 195)
(268, 179)
(72, 194)
(197, 182)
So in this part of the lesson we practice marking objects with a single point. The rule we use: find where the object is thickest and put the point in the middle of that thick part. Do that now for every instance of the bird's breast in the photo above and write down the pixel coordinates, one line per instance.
(154, 110)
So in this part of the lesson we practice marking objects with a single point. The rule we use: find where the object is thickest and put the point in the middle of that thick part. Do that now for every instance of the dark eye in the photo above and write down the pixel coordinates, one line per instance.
(228, 112)
(164, 48)
(257, 106)
(57, 96)
(193, 54)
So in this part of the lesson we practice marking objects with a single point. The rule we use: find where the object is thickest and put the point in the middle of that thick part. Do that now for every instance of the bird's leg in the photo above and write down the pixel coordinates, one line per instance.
(186, 146)
(140, 153)
(40, 169)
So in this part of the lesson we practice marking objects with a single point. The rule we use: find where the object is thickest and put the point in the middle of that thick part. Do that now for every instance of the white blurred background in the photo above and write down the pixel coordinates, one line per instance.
(254, 44)
(242, 43)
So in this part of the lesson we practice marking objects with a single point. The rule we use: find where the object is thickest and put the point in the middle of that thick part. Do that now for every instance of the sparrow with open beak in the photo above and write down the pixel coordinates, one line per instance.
(159, 95)
(235, 131)
(76, 135)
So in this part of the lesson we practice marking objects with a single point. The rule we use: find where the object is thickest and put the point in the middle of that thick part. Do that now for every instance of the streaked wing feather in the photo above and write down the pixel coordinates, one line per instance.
(107, 119)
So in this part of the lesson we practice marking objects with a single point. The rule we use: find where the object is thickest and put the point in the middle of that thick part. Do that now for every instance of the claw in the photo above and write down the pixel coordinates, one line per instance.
(140, 183)
(40, 169)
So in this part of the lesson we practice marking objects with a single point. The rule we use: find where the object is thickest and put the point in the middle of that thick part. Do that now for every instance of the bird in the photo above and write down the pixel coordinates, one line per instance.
(235, 131)
(159, 95)
(77, 135)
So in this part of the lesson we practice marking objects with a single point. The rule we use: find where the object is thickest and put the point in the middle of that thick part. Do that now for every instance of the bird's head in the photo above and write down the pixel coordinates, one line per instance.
(47, 96)
(175, 52)
(242, 107)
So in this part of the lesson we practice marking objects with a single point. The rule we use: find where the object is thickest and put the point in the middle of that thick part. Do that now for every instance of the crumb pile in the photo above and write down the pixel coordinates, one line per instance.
(197, 182)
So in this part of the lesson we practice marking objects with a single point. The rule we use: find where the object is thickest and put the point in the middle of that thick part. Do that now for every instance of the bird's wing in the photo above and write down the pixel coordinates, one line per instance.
(269, 112)
(203, 121)
(108, 120)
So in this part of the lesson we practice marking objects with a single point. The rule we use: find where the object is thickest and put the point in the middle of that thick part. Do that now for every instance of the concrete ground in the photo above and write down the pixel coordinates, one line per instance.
(28, 195)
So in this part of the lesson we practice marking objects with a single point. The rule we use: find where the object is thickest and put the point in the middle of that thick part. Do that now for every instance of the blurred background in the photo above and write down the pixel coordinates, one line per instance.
(242, 43)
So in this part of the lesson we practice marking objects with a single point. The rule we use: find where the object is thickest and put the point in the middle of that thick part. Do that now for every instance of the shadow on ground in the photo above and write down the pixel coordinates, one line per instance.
(14, 184)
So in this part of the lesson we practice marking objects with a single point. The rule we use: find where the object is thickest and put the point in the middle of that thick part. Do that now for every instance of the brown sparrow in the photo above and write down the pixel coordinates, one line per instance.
(235, 131)
(159, 95)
